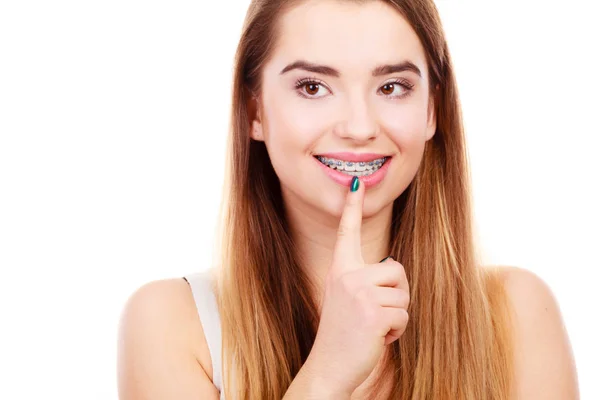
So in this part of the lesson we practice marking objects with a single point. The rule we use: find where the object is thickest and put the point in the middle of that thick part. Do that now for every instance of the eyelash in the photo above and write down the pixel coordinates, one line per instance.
(300, 83)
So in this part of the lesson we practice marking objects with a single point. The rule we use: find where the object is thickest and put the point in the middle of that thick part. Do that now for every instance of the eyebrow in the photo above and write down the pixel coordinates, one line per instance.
(329, 71)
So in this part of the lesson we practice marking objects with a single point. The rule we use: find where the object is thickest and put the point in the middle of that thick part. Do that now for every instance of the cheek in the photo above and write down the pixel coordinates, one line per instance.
(290, 133)
(406, 126)
(293, 126)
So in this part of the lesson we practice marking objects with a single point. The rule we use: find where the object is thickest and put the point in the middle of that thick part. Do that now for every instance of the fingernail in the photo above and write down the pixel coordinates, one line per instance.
(354, 185)
(385, 259)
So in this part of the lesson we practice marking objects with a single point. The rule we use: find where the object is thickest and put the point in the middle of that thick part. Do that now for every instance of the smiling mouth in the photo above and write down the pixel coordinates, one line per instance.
(352, 168)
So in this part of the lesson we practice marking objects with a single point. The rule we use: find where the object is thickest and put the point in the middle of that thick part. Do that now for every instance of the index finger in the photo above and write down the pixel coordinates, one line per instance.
(347, 251)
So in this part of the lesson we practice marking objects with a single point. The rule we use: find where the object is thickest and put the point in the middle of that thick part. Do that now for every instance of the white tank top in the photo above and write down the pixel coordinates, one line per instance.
(203, 290)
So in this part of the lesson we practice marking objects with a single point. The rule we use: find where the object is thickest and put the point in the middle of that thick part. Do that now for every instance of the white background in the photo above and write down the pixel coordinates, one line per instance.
(113, 116)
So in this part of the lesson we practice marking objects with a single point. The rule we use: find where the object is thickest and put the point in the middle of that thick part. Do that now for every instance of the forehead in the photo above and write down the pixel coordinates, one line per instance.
(351, 36)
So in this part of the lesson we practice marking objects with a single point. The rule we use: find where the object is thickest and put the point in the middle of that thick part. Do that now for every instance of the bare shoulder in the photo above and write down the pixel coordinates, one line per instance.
(544, 363)
(161, 348)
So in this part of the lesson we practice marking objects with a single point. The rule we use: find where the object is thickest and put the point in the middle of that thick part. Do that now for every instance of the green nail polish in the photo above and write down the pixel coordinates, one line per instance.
(384, 259)
(354, 185)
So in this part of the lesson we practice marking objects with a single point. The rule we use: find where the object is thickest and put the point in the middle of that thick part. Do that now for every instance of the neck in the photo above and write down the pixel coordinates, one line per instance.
(315, 232)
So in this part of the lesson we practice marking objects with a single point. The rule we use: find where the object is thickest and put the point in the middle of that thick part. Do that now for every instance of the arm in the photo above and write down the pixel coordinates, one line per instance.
(157, 358)
(545, 367)
(309, 384)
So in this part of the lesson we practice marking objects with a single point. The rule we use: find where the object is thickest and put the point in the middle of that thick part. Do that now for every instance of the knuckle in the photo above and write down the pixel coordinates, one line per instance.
(399, 318)
(404, 317)
(403, 273)
(347, 283)
(361, 294)
(364, 295)
(404, 299)
(397, 264)
(371, 316)
(350, 201)
(400, 271)
(343, 230)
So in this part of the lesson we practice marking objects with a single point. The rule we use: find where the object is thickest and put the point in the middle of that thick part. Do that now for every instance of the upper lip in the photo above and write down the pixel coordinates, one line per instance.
(354, 157)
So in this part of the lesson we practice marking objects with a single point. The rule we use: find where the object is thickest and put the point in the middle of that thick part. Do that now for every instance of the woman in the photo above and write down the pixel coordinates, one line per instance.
(346, 147)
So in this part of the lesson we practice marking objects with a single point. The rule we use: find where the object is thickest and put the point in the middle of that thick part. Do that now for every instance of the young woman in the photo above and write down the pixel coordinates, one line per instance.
(346, 147)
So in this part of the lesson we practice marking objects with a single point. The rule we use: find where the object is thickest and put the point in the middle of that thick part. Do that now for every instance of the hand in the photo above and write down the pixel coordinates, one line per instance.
(364, 307)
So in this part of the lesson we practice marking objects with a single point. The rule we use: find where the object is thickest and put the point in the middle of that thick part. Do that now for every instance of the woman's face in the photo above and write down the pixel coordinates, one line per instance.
(350, 79)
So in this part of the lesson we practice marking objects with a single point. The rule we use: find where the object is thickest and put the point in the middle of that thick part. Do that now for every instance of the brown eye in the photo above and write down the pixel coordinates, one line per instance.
(309, 88)
(312, 88)
(385, 88)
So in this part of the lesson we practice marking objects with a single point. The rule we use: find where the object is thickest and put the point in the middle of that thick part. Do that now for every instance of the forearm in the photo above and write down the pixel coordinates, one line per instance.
(312, 385)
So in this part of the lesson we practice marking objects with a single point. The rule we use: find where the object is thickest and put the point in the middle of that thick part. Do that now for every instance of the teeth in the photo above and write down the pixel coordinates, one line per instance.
(353, 168)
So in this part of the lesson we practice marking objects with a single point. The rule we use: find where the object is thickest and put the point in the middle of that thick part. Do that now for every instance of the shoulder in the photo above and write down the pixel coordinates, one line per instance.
(162, 351)
(544, 363)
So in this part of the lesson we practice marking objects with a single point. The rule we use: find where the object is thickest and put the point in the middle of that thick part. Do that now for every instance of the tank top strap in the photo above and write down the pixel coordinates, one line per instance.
(203, 291)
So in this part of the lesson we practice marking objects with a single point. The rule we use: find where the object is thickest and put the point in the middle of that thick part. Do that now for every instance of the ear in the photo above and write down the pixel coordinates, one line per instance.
(431, 116)
(256, 131)
(256, 127)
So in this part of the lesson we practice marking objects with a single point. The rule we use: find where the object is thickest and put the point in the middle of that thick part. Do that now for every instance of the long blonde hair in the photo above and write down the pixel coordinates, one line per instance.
(457, 344)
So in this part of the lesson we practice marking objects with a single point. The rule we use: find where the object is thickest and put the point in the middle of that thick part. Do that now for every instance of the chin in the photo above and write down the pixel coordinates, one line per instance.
(334, 205)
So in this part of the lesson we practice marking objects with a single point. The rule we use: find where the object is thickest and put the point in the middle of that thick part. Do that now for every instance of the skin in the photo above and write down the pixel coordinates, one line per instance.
(162, 351)
(354, 112)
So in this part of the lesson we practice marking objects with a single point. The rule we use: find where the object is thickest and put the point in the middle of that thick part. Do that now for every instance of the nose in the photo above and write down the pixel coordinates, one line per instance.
(359, 122)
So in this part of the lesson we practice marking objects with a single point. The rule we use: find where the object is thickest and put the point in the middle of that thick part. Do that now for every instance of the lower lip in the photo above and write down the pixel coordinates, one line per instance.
(368, 180)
